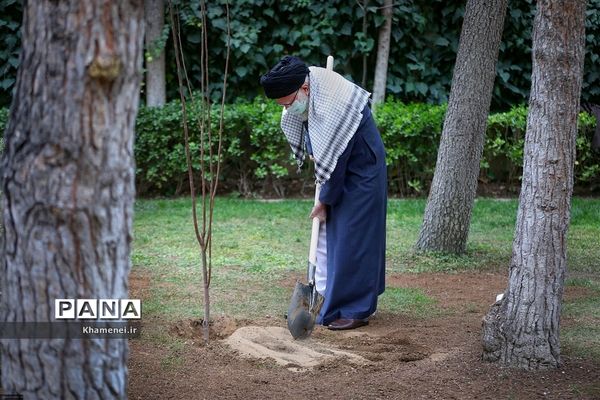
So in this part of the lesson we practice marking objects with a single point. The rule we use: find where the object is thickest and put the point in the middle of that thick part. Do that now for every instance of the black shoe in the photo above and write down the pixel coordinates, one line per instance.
(343, 324)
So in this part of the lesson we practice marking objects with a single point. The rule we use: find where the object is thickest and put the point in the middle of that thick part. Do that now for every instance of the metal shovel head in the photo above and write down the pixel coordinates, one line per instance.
(300, 320)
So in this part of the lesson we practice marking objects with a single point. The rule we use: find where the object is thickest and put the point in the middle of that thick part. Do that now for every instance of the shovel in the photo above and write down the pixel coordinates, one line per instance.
(306, 302)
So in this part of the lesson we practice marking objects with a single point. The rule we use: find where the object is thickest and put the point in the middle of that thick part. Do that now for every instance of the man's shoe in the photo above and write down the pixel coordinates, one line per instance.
(344, 324)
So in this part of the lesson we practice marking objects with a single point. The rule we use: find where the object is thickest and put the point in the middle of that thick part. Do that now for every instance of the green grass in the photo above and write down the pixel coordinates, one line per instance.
(589, 391)
(411, 301)
(489, 245)
(581, 334)
(259, 247)
(261, 237)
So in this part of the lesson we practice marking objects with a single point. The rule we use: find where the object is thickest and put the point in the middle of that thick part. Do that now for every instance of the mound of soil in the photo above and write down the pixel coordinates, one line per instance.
(277, 344)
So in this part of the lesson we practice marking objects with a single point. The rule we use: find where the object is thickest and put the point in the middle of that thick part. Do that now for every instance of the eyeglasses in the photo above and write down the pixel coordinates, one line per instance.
(293, 100)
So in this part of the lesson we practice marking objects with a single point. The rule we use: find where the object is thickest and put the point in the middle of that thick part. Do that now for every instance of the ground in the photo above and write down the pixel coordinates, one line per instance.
(399, 356)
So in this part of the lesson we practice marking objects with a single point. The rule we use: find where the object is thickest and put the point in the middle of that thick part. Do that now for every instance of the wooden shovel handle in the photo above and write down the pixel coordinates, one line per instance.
(314, 236)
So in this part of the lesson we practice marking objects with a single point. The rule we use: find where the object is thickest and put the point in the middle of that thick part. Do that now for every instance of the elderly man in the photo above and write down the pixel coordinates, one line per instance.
(328, 116)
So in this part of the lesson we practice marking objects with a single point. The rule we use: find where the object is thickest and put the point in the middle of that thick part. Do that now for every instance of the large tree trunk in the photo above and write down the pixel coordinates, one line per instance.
(522, 329)
(68, 182)
(448, 212)
(155, 66)
(383, 53)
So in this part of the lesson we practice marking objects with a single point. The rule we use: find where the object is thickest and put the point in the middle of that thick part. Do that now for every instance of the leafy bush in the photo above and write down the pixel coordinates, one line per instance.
(503, 153)
(10, 39)
(256, 158)
(411, 133)
(425, 37)
(3, 118)
(255, 155)
(159, 151)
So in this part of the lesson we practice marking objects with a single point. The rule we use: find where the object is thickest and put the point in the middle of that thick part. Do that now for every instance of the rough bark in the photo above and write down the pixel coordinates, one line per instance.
(522, 330)
(155, 68)
(68, 183)
(383, 53)
(448, 212)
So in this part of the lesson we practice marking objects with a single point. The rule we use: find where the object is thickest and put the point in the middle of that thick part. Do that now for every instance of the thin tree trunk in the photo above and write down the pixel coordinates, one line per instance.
(383, 54)
(448, 212)
(364, 6)
(206, 292)
(155, 67)
(522, 329)
(68, 182)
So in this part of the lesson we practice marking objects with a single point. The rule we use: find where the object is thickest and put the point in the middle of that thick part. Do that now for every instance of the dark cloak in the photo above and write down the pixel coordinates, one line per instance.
(356, 199)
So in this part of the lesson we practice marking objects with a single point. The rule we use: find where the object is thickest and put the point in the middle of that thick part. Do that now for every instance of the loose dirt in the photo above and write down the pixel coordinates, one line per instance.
(395, 357)
(274, 342)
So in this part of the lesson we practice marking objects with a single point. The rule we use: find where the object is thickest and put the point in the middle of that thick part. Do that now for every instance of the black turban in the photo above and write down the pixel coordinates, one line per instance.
(284, 78)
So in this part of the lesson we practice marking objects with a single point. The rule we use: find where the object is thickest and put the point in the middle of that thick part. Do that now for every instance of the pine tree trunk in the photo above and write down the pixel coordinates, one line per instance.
(68, 182)
(155, 68)
(383, 53)
(448, 212)
(522, 330)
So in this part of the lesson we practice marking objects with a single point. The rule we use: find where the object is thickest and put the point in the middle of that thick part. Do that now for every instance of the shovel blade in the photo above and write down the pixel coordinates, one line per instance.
(300, 320)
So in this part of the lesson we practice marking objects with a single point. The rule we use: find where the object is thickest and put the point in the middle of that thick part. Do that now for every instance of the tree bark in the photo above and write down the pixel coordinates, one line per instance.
(522, 329)
(383, 54)
(68, 183)
(155, 67)
(448, 212)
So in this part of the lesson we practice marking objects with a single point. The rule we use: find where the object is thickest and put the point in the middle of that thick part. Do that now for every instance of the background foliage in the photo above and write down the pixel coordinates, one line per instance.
(10, 41)
(425, 37)
(257, 159)
(424, 43)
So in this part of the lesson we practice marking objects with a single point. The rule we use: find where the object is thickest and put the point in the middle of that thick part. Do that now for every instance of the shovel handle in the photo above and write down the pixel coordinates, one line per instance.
(314, 235)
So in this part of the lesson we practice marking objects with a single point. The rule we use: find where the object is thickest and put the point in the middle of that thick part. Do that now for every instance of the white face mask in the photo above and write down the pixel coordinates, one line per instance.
(299, 106)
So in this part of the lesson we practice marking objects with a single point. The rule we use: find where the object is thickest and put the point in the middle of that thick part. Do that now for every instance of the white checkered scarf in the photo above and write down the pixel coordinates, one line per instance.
(334, 113)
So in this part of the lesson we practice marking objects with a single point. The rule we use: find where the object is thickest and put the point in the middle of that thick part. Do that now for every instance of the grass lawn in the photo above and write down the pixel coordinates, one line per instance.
(258, 245)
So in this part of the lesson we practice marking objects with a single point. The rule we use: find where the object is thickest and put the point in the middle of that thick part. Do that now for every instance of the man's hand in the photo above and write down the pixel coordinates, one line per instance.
(319, 211)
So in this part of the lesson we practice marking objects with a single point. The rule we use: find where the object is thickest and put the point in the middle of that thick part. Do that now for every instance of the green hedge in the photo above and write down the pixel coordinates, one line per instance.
(502, 159)
(257, 159)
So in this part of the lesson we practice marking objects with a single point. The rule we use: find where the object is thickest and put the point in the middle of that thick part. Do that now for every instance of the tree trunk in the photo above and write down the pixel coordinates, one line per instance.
(522, 329)
(155, 65)
(68, 183)
(448, 212)
(364, 6)
(383, 54)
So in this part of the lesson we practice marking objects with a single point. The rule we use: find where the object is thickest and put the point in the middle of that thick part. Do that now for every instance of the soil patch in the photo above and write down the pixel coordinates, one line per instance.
(277, 344)
(139, 284)
(219, 328)
(473, 291)
(406, 357)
